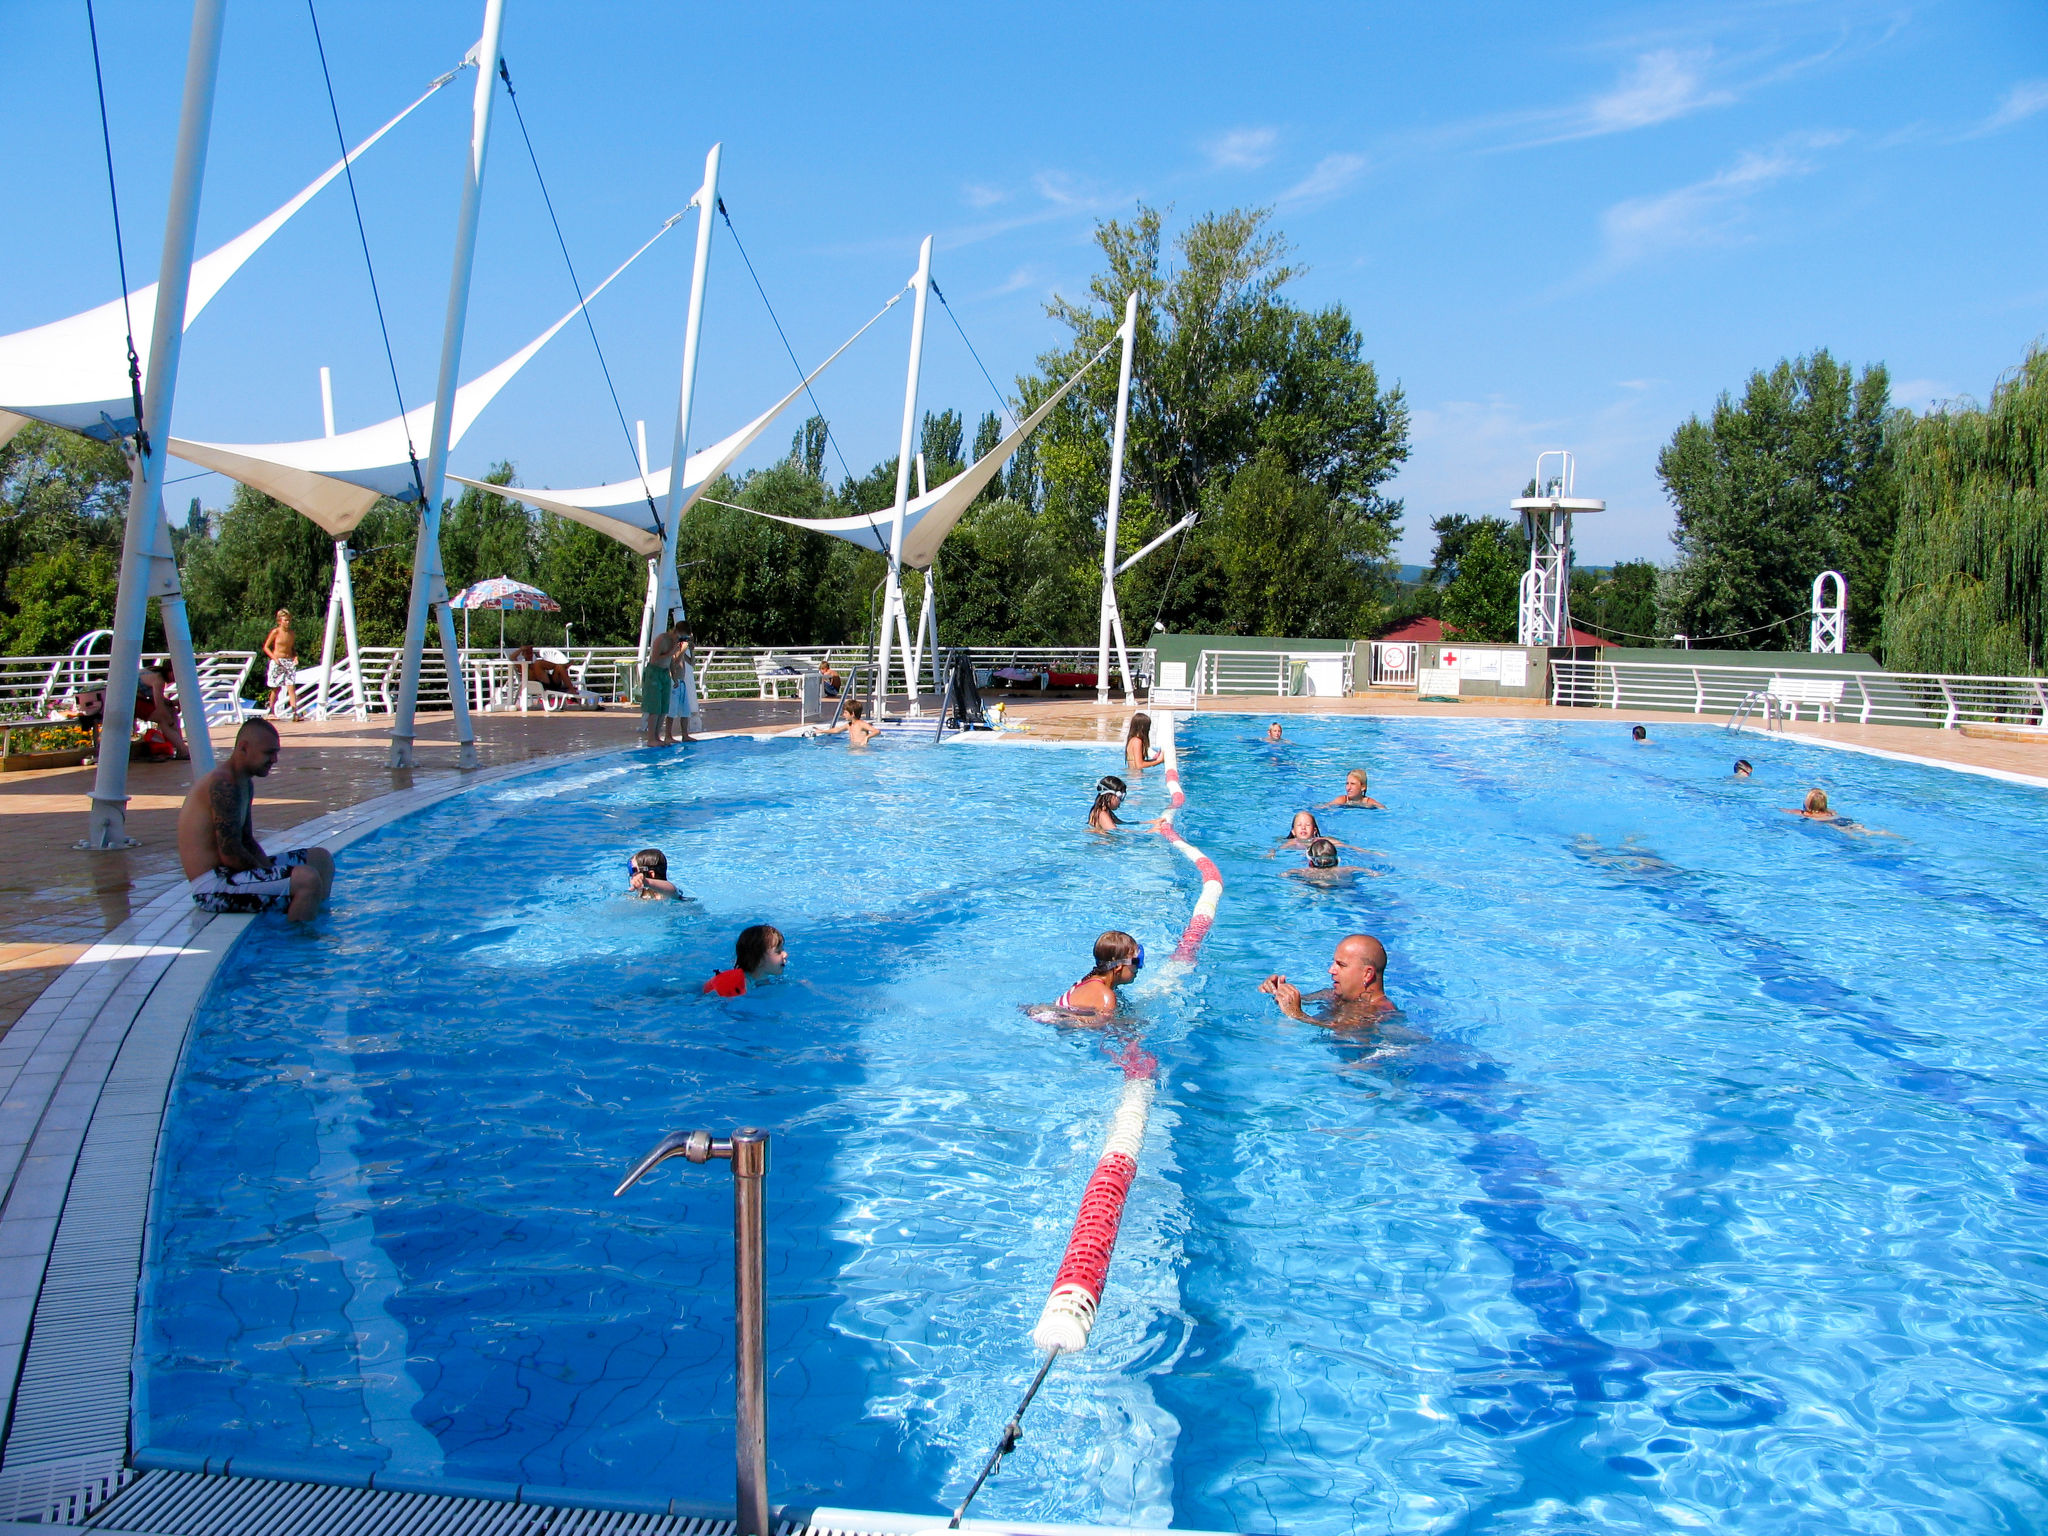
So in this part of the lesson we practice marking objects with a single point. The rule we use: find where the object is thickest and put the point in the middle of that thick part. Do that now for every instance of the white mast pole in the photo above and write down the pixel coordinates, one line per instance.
(429, 582)
(321, 701)
(915, 648)
(668, 605)
(141, 559)
(1110, 614)
(892, 602)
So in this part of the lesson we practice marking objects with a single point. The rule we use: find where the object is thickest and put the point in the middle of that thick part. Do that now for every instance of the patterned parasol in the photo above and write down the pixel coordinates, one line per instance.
(504, 594)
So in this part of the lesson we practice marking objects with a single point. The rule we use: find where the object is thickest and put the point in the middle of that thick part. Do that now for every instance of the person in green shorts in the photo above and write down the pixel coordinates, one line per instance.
(654, 689)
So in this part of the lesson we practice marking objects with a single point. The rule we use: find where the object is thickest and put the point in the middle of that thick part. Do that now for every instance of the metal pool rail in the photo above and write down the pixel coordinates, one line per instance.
(1929, 699)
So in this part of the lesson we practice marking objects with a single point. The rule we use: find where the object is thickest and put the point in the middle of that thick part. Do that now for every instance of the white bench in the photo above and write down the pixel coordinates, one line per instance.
(1786, 694)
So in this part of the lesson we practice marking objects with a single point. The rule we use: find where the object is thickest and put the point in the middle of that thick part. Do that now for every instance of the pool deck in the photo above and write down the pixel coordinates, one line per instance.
(56, 901)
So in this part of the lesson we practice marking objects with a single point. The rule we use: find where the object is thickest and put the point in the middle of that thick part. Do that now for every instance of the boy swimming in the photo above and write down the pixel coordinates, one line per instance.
(757, 953)
(647, 874)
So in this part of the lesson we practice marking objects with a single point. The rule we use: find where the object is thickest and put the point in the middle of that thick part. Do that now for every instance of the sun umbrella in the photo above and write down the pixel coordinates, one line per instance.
(503, 594)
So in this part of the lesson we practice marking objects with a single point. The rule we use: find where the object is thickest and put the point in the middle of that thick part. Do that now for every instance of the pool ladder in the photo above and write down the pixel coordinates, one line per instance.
(747, 1150)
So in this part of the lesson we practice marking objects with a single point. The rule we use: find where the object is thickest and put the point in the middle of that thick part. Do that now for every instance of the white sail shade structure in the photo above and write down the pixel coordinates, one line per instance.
(622, 511)
(336, 480)
(73, 373)
(928, 518)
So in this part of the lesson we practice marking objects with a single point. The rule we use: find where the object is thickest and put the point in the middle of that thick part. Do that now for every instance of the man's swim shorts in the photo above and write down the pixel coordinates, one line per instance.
(267, 888)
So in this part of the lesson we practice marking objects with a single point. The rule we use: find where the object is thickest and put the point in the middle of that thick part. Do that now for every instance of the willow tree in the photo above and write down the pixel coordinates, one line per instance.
(1969, 579)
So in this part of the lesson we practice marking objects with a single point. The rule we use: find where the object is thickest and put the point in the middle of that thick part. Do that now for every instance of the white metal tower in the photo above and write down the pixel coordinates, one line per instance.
(1830, 619)
(1546, 612)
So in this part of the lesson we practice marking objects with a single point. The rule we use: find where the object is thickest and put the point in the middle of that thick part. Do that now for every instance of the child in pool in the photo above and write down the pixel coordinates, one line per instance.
(1138, 749)
(758, 952)
(647, 873)
(1323, 868)
(1304, 831)
(1118, 959)
(1103, 817)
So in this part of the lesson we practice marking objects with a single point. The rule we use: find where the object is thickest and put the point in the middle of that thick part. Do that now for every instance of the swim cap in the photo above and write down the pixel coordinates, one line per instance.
(1322, 854)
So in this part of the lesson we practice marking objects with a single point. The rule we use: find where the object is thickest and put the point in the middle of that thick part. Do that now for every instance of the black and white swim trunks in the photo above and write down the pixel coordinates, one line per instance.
(267, 888)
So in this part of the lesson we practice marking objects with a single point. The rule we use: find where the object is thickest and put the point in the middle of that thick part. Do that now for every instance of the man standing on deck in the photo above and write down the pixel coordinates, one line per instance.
(226, 867)
(1357, 998)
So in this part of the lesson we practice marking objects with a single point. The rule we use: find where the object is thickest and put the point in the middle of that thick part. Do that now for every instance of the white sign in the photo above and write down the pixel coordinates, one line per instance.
(1163, 697)
(1437, 682)
(1514, 669)
(1481, 666)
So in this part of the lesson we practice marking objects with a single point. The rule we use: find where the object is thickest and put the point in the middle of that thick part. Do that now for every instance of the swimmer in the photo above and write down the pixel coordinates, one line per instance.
(1273, 731)
(1354, 793)
(1138, 751)
(1304, 831)
(647, 874)
(1323, 868)
(1357, 997)
(1109, 783)
(1103, 817)
(1743, 768)
(853, 720)
(757, 953)
(1118, 959)
(1815, 808)
(1640, 733)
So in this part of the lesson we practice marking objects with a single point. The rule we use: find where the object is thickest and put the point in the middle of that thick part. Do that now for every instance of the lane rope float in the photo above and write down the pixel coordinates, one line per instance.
(1069, 1313)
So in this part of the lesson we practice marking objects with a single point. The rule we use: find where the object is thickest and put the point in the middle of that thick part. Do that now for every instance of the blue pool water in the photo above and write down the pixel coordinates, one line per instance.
(1711, 1193)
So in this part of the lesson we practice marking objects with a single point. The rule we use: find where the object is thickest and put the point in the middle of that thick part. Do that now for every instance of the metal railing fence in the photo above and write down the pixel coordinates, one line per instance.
(35, 687)
(1931, 700)
(1274, 674)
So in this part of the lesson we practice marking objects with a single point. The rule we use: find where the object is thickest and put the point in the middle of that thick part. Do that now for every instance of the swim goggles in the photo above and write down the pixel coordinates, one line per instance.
(1139, 963)
(1323, 860)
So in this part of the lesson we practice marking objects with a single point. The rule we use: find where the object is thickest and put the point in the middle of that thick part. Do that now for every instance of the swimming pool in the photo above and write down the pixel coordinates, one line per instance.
(1712, 1193)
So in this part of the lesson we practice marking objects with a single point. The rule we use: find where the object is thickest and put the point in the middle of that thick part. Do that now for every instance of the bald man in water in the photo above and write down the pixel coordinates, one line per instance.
(1357, 998)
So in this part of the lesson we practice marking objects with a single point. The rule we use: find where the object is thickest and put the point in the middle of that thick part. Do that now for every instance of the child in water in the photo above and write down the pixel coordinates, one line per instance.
(1118, 959)
(1103, 817)
(758, 952)
(1304, 831)
(1324, 868)
(647, 874)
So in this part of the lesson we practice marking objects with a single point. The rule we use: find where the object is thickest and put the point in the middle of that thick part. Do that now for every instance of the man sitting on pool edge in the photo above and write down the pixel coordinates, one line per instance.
(1357, 998)
(226, 867)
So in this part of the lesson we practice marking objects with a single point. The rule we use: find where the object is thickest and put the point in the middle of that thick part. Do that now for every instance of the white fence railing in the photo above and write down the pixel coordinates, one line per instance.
(36, 687)
(1867, 698)
(1271, 674)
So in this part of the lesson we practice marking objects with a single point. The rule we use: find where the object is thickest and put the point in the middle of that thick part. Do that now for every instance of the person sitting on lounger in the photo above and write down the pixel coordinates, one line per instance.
(226, 867)
(1354, 793)
(647, 875)
(1118, 959)
(1357, 998)
(758, 953)
(1138, 751)
(536, 668)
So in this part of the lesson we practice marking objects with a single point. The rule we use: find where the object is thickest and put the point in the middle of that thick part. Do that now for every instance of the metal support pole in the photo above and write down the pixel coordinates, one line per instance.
(914, 649)
(892, 603)
(1110, 614)
(170, 600)
(107, 824)
(747, 1150)
(668, 604)
(429, 583)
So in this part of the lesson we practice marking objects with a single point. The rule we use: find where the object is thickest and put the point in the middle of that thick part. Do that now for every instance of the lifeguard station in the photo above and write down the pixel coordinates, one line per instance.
(1546, 608)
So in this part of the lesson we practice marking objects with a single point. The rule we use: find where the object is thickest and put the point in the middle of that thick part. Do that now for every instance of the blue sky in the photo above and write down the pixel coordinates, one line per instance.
(1556, 226)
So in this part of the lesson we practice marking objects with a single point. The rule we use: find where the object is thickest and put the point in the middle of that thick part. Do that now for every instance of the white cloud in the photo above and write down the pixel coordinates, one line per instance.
(1333, 174)
(1709, 212)
(1922, 394)
(979, 196)
(1241, 149)
(2020, 103)
(1661, 85)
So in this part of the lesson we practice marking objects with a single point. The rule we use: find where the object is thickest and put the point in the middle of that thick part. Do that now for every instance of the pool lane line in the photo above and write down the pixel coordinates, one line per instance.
(1068, 1316)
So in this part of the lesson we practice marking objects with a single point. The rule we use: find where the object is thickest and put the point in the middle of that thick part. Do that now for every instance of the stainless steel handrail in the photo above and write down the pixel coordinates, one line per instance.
(747, 1150)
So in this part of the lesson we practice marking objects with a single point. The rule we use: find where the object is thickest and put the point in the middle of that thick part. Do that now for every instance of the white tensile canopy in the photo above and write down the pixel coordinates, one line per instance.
(73, 373)
(336, 480)
(622, 511)
(927, 519)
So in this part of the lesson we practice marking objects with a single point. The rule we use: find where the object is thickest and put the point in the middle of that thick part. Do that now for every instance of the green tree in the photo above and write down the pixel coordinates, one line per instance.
(1969, 574)
(261, 556)
(1226, 369)
(1454, 533)
(1483, 600)
(1285, 560)
(1623, 606)
(1794, 479)
(749, 580)
(600, 583)
(1013, 576)
(63, 505)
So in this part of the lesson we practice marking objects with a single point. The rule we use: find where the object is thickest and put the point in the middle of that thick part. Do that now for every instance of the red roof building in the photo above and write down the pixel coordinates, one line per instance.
(1423, 630)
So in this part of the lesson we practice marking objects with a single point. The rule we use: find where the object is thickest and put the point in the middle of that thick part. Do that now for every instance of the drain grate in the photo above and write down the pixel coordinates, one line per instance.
(161, 1503)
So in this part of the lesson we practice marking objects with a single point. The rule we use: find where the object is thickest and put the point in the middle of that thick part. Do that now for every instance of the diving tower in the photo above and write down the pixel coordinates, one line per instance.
(1546, 609)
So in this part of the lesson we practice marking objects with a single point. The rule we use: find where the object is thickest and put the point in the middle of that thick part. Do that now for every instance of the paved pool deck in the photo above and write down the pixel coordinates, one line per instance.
(55, 901)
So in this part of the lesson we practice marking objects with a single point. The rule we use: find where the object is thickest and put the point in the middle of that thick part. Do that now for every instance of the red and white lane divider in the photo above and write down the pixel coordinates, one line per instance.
(1069, 1315)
